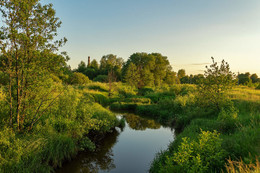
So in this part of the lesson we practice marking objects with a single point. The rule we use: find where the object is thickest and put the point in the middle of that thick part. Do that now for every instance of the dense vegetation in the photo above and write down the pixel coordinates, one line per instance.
(49, 112)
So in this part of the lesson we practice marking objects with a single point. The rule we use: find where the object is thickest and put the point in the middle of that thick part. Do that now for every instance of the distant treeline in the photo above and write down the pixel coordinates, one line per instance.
(144, 70)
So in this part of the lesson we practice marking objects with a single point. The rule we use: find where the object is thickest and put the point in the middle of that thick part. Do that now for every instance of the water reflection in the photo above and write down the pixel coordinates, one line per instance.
(93, 162)
(128, 150)
(139, 123)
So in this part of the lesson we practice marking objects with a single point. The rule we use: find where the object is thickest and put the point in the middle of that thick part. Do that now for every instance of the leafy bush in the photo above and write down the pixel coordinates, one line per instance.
(203, 155)
(144, 91)
(126, 91)
(98, 86)
(123, 106)
(138, 100)
(79, 79)
(258, 87)
(101, 78)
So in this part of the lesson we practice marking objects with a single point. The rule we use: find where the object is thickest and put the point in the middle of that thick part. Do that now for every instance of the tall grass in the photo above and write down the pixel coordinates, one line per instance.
(59, 135)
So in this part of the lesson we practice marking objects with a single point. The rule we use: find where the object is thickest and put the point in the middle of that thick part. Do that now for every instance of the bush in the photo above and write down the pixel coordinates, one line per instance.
(79, 79)
(123, 107)
(98, 86)
(101, 78)
(144, 91)
(258, 87)
(203, 155)
(126, 91)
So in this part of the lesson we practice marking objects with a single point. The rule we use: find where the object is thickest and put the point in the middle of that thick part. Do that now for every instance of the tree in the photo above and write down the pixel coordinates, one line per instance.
(111, 66)
(218, 80)
(152, 68)
(181, 73)
(28, 57)
(171, 76)
(254, 78)
(244, 79)
(160, 68)
(94, 64)
(132, 76)
(82, 67)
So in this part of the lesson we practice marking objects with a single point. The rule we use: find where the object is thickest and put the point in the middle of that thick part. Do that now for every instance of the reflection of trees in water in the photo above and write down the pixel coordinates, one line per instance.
(139, 123)
(102, 158)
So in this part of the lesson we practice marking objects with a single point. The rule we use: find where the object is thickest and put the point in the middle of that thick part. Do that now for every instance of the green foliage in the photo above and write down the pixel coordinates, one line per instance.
(29, 58)
(258, 87)
(132, 76)
(181, 73)
(254, 78)
(144, 69)
(125, 91)
(213, 89)
(197, 156)
(3, 78)
(145, 91)
(98, 87)
(228, 112)
(79, 79)
(58, 136)
(244, 79)
(123, 106)
(86, 144)
(101, 78)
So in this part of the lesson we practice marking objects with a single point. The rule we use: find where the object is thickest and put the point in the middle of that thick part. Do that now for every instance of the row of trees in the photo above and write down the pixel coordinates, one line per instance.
(247, 79)
(143, 69)
(140, 70)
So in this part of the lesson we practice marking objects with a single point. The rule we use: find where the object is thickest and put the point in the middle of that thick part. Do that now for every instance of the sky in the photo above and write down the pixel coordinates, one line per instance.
(188, 32)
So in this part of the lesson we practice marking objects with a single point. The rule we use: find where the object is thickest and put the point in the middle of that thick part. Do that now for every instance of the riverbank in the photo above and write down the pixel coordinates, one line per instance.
(130, 149)
(64, 130)
(81, 111)
(237, 127)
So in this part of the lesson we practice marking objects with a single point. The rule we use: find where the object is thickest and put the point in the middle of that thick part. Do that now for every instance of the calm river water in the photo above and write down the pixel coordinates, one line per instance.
(128, 150)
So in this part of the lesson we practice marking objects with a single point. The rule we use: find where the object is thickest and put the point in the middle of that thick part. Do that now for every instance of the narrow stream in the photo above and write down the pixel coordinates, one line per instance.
(130, 150)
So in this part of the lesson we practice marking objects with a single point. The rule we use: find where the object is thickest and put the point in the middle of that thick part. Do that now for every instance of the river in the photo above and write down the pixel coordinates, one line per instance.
(128, 150)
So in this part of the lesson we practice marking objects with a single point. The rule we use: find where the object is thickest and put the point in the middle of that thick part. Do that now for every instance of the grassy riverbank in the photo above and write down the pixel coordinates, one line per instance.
(235, 127)
(81, 111)
(62, 131)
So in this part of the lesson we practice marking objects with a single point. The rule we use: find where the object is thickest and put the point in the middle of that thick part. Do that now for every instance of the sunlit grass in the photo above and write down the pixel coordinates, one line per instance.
(241, 167)
(245, 93)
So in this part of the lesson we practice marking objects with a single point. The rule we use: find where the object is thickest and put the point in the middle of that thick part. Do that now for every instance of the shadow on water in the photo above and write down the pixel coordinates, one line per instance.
(133, 146)
(139, 123)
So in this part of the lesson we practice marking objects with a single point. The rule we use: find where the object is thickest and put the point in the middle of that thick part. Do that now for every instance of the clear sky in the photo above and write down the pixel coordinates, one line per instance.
(188, 32)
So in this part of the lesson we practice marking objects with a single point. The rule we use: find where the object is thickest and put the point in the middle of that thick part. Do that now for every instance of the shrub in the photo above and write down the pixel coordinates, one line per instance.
(98, 86)
(203, 155)
(144, 91)
(258, 87)
(123, 106)
(126, 91)
(79, 79)
(101, 78)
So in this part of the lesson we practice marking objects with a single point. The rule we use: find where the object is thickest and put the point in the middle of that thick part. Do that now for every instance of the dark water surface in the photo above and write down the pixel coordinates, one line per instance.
(130, 150)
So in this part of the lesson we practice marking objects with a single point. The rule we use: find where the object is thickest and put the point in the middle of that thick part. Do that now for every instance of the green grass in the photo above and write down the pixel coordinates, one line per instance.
(59, 135)
(240, 137)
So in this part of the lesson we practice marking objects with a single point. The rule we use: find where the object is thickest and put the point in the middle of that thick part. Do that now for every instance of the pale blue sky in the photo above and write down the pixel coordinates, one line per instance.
(188, 32)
